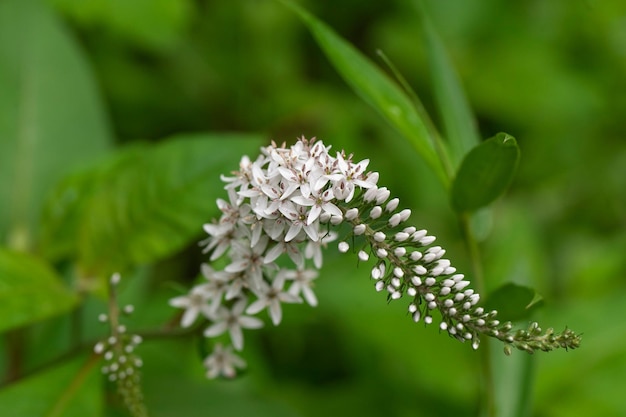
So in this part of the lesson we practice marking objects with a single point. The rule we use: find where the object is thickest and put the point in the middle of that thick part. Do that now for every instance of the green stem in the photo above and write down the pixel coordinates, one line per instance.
(487, 376)
(59, 407)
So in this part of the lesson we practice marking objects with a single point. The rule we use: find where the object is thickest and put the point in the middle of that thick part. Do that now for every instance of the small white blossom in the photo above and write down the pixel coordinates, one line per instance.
(270, 297)
(223, 362)
(233, 321)
(194, 303)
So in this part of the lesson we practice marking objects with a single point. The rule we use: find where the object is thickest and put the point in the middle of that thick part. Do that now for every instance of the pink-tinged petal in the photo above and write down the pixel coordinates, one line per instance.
(288, 210)
(220, 249)
(314, 214)
(364, 184)
(189, 317)
(256, 234)
(321, 182)
(256, 306)
(216, 329)
(273, 254)
(180, 301)
(236, 336)
(341, 163)
(237, 266)
(295, 255)
(239, 307)
(228, 371)
(210, 310)
(257, 175)
(293, 231)
(361, 166)
(305, 189)
(332, 177)
(303, 201)
(309, 296)
(286, 297)
(332, 209)
(212, 229)
(288, 174)
(234, 290)
(250, 322)
(276, 313)
(312, 231)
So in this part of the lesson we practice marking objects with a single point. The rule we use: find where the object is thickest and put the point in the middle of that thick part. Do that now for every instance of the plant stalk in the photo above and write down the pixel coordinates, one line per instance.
(488, 406)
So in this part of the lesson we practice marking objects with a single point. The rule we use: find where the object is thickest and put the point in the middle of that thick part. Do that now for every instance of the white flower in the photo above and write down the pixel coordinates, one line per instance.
(302, 283)
(313, 249)
(219, 284)
(270, 297)
(319, 201)
(297, 216)
(223, 362)
(233, 321)
(249, 260)
(194, 303)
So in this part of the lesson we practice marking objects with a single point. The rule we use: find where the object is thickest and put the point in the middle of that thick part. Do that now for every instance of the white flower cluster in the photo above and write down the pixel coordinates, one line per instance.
(284, 202)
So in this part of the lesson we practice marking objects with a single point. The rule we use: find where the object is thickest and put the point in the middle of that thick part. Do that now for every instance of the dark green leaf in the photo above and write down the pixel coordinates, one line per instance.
(513, 302)
(485, 173)
(51, 119)
(37, 396)
(29, 290)
(458, 120)
(148, 203)
(373, 86)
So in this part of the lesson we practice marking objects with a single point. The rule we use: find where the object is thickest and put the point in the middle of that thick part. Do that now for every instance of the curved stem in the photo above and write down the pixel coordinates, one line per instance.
(59, 406)
(487, 377)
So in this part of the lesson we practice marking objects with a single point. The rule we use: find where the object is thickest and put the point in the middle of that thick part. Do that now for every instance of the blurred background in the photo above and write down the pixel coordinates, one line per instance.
(552, 74)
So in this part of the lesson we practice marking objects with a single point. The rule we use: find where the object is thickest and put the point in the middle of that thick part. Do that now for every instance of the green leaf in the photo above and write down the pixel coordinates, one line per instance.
(29, 290)
(513, 302)
(76, 382)
(146, 204)
(375, 87)
(51, 119)
(66, 207)
(458, 119)
(151, 23)
(484, 174)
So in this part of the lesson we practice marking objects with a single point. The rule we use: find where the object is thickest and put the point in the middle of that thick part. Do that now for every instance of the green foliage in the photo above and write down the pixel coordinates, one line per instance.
(29, 291)
(458, 119)
(377, 89)
(549, 73)
(484, 174)
(513, 302)
(71, 389)
(150, 23)
(51, 116)
(144, 204)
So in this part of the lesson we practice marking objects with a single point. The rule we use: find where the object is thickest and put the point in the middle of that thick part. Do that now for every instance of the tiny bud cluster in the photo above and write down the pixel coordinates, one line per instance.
(122, 364)
(284, 204)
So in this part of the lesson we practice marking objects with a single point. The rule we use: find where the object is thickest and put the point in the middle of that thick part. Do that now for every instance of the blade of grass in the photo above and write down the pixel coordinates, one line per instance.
(458, 120)
(378, 90)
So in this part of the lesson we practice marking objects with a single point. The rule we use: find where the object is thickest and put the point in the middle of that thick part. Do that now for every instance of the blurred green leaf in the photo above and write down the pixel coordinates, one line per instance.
(513, 302)
(375, 87)
(29, 290)
(152, 23)
(458, 119)
(485, 173)
(146, 205)
(51, 119)
(76, 383)
(66, 207)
